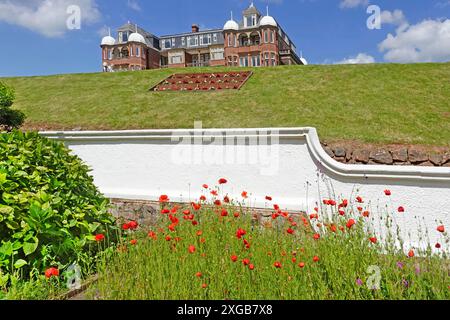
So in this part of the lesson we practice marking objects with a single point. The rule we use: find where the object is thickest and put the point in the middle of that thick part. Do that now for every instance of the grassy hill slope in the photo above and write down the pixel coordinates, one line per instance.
(383, 103)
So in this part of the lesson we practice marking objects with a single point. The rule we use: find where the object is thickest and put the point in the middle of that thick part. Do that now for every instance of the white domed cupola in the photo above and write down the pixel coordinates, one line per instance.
(268, 20)
(136, 37)
(108, 40)
(231, 24)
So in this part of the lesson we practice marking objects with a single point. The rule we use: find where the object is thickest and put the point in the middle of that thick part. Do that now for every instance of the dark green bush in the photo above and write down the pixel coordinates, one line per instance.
(50, 209)
(9, 119)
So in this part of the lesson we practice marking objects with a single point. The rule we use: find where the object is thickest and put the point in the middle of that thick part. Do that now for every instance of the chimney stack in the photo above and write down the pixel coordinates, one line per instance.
(195, 28)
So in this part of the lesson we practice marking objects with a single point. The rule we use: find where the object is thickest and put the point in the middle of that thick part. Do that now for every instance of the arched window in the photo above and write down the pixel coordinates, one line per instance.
(116, 53)
(125, 53)
(243, 40)
(255, 39)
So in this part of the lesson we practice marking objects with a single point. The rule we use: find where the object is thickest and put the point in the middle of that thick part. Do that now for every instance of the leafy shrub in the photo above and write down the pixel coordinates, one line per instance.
(49, 208)
(9, 119)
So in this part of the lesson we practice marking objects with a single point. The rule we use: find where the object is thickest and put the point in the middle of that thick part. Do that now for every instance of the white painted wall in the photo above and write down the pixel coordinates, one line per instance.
(289, 165)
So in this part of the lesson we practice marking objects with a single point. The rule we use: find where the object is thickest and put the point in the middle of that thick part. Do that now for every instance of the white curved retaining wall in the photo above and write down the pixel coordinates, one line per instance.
(288, 164)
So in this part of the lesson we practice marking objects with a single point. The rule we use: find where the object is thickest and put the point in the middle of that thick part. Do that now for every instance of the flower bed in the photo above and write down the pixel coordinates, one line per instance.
(204, 81)
(215, 249)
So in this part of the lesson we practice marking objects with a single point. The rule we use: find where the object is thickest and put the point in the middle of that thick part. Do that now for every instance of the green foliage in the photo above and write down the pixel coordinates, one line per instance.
(7, 95)
(49, 208)
(9, 118)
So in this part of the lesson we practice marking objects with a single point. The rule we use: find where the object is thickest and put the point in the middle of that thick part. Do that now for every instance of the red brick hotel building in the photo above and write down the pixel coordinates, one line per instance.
(256, 41)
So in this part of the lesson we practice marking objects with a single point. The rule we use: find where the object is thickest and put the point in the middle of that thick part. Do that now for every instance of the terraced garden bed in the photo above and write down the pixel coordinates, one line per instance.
(203, 81)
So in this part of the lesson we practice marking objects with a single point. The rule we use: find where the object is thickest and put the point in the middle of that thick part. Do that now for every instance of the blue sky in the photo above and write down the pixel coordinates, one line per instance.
(35, 39)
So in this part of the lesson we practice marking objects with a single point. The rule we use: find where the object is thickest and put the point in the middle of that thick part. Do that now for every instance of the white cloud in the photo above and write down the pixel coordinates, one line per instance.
(361, 58)
(427, 41)
(47, 17)
(134, 4)
(395, 17)
(353, 3)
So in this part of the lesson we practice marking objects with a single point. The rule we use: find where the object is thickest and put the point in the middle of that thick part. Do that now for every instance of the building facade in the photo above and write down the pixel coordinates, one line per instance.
(256, 41)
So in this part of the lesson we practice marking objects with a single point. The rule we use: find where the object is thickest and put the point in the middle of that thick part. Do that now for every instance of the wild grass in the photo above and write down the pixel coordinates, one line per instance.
(290, 257)
(382, 103)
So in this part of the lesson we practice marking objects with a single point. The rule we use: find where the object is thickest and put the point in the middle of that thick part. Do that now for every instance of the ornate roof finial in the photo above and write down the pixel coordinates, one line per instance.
(267, 10)
(136, 28)
(109, 32)
(232, 15)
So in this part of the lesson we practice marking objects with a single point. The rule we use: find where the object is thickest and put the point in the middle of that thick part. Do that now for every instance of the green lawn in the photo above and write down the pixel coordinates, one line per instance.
(382, 103)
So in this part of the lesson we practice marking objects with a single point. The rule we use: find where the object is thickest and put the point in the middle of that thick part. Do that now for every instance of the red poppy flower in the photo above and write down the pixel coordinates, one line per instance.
(277, 265)
(246, 262)
(316, 259)
(411, 253)
(202, 198)
(269, 198)
(51, 272)
(164, 198)
(387, 192)
(331, 203)
(314, 216)
(333, 228)
(316, 236)
(165, 211)
(191, 249)
(373, 240)
(441, 229)
(316, 209)
(244, 194)
(290, 231)
(342, 213)
(226, 199)
(237, 214)
(301, 265)
(199, 233)
(172, 227)
(366, 214)
(223, 181)
(198, 274)
(168, 238)
(275, 216)
(133, 225)
(218, 203)
(152, 235)
(125, 226)
(360, 209)
(240, 233)
(401, 209)
(133, 242)
(438, 246)
(234, 258)
(205, 186)
(194, 223)
(214, 193)
(359, 199)
(344, 204)
(351, 223)
(251, 266)
(99, 237)
(204, 286)
(294, 260)
(196, 206)
(224, 213)
(276, 207)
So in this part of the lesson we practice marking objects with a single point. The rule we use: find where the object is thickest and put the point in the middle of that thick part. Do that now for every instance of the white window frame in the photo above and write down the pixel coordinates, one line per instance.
(183, 41)
(138, 52)
(173, 42)
(215, 37)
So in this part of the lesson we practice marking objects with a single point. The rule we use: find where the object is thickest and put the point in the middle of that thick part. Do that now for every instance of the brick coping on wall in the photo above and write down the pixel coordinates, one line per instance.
(401, 155)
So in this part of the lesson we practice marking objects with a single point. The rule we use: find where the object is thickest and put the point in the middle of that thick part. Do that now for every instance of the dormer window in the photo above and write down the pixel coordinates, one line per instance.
(250, 21)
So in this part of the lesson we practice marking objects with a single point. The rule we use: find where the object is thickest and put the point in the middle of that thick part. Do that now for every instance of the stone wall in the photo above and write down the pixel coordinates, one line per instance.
(388, 155)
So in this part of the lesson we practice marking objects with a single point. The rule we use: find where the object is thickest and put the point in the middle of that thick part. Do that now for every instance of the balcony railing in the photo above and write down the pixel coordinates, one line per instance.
(199, 64)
